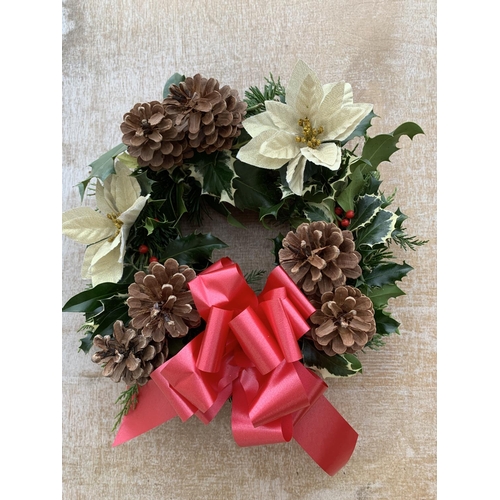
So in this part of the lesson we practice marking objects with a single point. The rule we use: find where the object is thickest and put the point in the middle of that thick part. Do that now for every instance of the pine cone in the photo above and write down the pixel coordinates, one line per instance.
(345, 322)
(152, 138)
(160, 302)
(128, 355)
(319, 257)
(210, 116)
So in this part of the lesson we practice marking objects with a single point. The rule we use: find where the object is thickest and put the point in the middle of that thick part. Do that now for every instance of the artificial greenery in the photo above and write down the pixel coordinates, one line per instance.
(222, 182)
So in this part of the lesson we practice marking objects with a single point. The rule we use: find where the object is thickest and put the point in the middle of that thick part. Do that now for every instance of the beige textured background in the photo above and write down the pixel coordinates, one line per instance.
(116, 53)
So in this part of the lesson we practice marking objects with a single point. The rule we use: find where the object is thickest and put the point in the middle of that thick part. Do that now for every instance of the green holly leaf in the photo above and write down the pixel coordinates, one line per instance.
(361, 129)
(90, 300)
(255, 188)
(387, 274)
(346, 198)
(380, 296)
(378, 231)
(340, 365)
(113, 309)
(193, 250)
(175, 79)
(273, 211)
(102, 167)
(386, 324)
(381, 147)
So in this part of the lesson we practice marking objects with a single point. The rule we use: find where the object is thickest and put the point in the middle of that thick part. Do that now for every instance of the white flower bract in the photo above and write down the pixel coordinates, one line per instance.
(106, 231)
(304, 128)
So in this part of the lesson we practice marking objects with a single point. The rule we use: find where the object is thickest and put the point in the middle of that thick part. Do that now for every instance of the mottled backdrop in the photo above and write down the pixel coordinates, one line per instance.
(116, 53)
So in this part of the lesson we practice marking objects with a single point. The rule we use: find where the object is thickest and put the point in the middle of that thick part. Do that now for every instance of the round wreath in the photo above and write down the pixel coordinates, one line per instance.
(300, 156)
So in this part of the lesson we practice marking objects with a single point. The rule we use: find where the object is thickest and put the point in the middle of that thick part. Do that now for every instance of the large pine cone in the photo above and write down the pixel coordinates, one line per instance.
(210, 116)
(160, 302)
(152, 138)
(319, 257)
(128, 355)
(345, 322)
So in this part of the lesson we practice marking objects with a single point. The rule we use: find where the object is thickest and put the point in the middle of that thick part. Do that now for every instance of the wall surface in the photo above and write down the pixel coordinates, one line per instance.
(118, 53)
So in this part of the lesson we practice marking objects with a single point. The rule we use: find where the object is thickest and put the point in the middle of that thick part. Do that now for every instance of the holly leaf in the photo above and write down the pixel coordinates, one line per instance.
(387, 274)
(102, 167)
(380, 296)
(378, 230)
(254, 188)
(340, 365)
(89, 300)
(273, 211)
(366, 208)
(346, 198)
(381, 147)
(175, 79)
(194, 249)
(386, 324)
(214, 173)
(361, 129)
(113, 309)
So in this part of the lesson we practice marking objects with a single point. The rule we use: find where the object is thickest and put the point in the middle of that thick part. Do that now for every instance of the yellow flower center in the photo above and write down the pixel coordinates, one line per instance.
(309, 135)
(117, 222)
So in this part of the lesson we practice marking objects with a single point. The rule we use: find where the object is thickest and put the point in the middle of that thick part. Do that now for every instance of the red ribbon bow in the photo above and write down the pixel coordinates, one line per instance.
(248, 350)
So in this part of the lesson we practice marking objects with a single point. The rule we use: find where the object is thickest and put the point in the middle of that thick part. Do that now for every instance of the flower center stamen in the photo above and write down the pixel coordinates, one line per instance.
(118, 224)
(309, 135)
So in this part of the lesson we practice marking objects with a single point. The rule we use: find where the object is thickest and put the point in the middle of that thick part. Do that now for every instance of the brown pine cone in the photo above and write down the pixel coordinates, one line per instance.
(345, 322)
(319, 257)
(160, 302)
(152, 138)
(128, 355)
(210, 116)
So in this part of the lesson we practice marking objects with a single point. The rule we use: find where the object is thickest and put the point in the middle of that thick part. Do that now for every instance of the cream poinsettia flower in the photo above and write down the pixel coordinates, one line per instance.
(105, 231)
(304, 128)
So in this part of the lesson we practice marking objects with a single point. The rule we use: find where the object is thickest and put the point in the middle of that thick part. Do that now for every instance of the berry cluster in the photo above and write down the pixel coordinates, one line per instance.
(345, 217)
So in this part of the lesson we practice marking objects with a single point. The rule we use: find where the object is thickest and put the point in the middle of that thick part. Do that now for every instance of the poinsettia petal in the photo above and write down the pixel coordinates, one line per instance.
(106, 269)
(295, 174)
(342, 123)
(250, 153)
(327, 155)
(125, 188)
(280, 145)
(85, 225)
(304, 91)
(340, 94)
(284, 117)
(257, 124)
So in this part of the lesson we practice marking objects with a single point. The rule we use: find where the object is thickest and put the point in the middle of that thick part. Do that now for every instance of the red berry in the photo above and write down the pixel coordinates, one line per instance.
(349, 214)
(143, 249)
(153, 259)
(339, 211)
(345, 222)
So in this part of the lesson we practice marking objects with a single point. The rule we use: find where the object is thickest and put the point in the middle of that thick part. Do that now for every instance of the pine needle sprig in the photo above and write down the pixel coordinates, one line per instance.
(255, 98)
(255, 276)
(128, 399)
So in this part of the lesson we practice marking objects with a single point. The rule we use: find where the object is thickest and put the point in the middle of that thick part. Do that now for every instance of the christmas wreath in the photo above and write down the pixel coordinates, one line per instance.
(186, 334)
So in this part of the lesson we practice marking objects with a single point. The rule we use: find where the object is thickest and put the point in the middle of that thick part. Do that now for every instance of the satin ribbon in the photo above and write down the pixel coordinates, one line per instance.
(249, 351)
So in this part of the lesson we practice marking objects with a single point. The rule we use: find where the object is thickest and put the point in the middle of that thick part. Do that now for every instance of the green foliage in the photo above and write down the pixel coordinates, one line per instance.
(215, 172)
(255, 98)
(194, 250)
(128, 400)
(340, 365)
(102, 167)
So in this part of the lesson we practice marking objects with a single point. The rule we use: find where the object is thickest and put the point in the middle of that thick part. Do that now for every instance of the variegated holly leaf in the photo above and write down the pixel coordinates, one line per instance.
(340, 365)
(365, 210)
(378, 231)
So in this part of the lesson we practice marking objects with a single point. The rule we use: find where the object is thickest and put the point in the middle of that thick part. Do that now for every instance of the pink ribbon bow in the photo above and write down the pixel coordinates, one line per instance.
(249, 351)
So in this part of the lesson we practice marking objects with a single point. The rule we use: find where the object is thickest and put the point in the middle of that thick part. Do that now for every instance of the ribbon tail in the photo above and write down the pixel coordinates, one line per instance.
(326, 436)
(152, 410)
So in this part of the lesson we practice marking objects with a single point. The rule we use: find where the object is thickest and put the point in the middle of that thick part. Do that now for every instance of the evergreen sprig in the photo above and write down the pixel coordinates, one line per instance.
(255, 98)
(128, 400)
